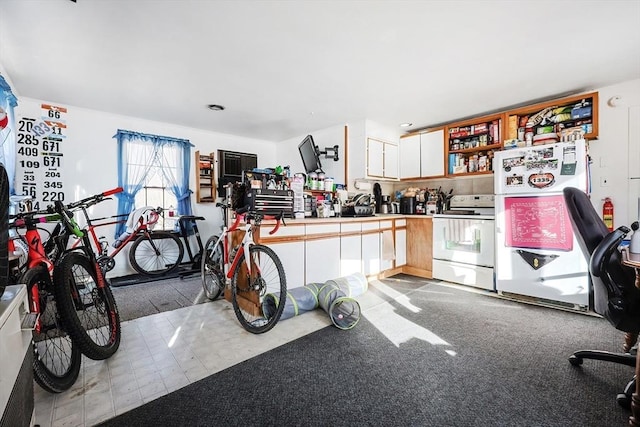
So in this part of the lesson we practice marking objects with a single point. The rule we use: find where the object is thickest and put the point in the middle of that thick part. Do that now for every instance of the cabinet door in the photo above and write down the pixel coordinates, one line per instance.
(432, 153)
(390, 161)
(401, 247)
(375, 158)
(350, 255)
(322, 262)
(371, 253)
(410, 157)
(292, 256)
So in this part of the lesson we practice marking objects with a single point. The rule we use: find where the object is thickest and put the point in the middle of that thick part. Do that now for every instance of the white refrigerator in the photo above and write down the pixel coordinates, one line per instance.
(537, 254)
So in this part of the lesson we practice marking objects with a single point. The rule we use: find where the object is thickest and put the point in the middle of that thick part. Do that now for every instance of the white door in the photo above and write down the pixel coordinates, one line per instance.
(390, 160)
(432, 153)
(401, 247)
(292, 256)
(350, 255)
(375, 157)
(410, 156)
(323, 260)
(537, 253)
(371, 253)
(463, 239)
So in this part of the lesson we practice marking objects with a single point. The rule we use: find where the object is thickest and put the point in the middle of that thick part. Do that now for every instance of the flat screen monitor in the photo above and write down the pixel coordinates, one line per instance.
(309, 154)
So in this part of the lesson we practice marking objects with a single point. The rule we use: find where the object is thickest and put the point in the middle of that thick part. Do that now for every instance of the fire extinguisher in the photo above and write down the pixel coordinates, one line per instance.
(607, 213)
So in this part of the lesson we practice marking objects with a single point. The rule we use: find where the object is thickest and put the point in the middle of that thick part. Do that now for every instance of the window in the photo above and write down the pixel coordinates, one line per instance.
(153, 171)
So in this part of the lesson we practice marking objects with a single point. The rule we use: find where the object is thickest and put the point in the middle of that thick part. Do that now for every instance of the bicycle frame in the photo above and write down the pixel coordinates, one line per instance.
(142, 228)
(36, 255)
(247, 242)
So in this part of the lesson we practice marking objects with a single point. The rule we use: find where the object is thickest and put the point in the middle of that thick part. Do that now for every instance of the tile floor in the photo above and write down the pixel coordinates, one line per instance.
(163, 352)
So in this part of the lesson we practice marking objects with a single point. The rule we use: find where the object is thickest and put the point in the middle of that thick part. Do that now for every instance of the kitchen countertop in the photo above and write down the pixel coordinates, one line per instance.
(376, 217)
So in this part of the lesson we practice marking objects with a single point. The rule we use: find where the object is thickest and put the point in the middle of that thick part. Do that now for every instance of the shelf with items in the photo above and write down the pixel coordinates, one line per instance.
(470, 145)
(205, 179)
(564, 119)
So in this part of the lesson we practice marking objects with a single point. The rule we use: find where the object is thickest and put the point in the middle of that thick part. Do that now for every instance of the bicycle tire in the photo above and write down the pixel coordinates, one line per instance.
(56, 358)
(212, 269)
(88, 312)
(4, 229)
(146, 260)
(248, 293)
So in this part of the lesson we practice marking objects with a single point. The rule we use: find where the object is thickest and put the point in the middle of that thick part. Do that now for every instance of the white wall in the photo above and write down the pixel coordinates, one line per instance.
(287, 152)
(90, 164)
(610, 153)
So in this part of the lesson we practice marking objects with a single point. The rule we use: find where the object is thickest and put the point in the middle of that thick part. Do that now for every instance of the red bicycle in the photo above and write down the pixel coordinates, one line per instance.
(153, 253)
(253, 271)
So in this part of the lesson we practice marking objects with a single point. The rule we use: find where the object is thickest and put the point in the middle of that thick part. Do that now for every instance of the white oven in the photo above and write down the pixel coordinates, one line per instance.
(464, 242)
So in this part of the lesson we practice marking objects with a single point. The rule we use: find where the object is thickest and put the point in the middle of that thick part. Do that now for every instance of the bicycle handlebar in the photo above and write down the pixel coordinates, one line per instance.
(96, 198)
(258, 217)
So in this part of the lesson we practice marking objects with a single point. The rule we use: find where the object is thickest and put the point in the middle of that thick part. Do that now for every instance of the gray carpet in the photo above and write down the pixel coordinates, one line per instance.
(144, 299)
(503, 364)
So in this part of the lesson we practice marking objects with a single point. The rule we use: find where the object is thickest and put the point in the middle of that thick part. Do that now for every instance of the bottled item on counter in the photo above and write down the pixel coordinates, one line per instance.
(634, 245)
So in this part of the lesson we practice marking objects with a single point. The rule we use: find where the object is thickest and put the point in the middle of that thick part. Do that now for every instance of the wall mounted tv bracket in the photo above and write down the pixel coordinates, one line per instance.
(329, 156)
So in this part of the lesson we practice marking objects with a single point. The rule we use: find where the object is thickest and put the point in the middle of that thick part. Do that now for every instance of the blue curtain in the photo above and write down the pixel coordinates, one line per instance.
(137, 153)
(8, 135)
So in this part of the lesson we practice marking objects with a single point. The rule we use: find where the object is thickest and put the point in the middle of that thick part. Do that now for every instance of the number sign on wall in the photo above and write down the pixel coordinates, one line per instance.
(39, 167)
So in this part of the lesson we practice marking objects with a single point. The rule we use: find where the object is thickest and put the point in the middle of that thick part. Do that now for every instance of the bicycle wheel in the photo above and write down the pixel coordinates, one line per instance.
(156, 253)
(249, 291)
(88, 312)
(56, 359)
(212, 269)
(4, 229)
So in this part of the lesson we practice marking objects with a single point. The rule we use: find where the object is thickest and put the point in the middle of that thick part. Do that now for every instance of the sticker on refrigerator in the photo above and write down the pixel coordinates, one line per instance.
(569, 161)
(536, 261)
(512, 162)
(514, 181)
(541, 180)
(538, 223)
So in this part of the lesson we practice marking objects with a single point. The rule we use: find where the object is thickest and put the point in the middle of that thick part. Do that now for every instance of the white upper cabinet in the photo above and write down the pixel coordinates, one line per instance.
(422, 155)
(410, 156)
(432, 153)
(382, 159)
(390, 160)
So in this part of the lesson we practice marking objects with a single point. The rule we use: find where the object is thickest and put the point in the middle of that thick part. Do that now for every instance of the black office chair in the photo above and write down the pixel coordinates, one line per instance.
(615, 296)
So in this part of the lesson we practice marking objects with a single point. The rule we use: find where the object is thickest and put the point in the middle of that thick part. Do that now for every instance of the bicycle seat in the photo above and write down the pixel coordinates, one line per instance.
(191, 218)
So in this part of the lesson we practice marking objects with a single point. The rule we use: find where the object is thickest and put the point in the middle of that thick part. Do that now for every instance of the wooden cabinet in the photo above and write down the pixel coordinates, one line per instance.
(422, 155)
(419, 247)
(471, 144)
(546, 122)
(382, 159)
(205, 178)
(322, 260)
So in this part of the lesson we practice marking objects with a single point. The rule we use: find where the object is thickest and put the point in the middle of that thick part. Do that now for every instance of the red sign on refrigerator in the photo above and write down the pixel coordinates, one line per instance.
(538, 222)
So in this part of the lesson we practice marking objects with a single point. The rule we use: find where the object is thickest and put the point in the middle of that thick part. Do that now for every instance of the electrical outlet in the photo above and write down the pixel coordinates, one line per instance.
(604, 182)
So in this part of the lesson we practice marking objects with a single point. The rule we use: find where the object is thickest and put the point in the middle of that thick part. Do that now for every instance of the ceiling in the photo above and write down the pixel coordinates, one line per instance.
(286, 68)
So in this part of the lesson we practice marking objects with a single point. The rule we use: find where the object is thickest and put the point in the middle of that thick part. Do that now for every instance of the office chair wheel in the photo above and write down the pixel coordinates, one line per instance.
(624, 400)
(574, 360)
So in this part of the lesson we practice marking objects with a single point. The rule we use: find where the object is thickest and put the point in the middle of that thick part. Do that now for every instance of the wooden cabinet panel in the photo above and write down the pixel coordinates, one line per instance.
(419, 247)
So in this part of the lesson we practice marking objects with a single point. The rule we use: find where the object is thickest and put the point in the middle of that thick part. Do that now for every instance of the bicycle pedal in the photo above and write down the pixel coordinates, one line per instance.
(29, 321)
